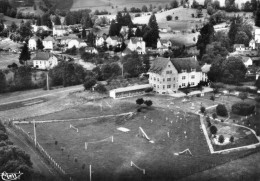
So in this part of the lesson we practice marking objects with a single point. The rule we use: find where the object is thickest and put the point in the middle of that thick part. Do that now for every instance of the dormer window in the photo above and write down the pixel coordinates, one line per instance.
(183, 70)
(193, 70)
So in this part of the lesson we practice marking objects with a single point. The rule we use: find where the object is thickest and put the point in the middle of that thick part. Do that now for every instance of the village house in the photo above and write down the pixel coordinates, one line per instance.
(32, 43)
(137, 44)
(247, 61)
(78, 43)
(36, 28)
(252, 44)
(44, 60)
(239, 47)
(100, 41)
(59, 30)
(113, 41)
(91, 50)
(205, 69)
(166, 43)
(48, 43)
(168, 75)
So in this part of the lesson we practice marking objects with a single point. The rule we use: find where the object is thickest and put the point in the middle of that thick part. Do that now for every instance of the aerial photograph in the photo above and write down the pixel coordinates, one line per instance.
(129, 90)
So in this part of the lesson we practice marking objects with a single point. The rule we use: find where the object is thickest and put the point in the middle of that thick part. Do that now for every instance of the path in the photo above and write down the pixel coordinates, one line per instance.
(38, 163)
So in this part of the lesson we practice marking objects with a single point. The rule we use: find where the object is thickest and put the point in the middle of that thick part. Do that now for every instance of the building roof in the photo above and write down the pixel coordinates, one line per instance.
(127, 51)
(34, 37)
(131, 88)
(59, 27)
(42, 56)
(239, 45)
(245, 59)
(163, 41)
(136, 39)
(90, 48)
(115, 38)
(159, 65)
(186, 64)
(252, 41)
(49, 38)
(206, 68)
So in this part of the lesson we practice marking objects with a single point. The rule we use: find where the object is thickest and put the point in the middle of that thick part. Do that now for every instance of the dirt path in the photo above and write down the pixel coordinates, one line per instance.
(38, 163)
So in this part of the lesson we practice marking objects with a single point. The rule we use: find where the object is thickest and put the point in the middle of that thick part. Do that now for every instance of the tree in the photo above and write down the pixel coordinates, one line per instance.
(213, 130)
(148, 103)
(23, 78)
(202, 109)
(84, 34)
(25, 30)
(3, 82)
(39, 45)
(221, 139)
(231, 139)
(195, 4)
(46, 20)
(206, 37)
(25, 54)
(13, 27)
(212, 97)
(152, 32)
(174, 4)
(100, 88)
(257, 83)
(214, 115)
(176, 18)
(89, 82)
(242, 38)
(113, 30)
(257, 17)
(132, 65)
(221, 110)
(243, 95)
(144, 8)
(56, 20)
(169, 18)
(139, 101)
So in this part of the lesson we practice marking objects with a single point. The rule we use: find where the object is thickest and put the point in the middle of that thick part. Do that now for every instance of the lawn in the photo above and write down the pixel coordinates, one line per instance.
(111, 161)
(7, 59)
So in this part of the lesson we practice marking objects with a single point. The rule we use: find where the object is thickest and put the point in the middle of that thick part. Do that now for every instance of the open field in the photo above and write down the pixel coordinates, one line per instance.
(7, 59)
(111, 161)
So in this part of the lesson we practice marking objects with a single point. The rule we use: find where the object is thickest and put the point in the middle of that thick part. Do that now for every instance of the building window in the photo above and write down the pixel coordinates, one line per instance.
(183, 84)
(169, 65)
(154, 79)
(158, 86)
(183, 70)
(168, 79)
(158, 79)
(192, 83)
(154, 85)
(163, 79)
(173, 85)
(193, 76)
(183, 77)
(193, 70)
(163, 86)
(168, 86)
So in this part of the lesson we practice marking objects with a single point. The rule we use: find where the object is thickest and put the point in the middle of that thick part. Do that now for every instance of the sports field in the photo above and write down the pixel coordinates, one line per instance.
(166, 127)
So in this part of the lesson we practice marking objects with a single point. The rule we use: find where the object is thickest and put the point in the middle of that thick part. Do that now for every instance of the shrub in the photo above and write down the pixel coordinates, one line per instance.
(83, 166)
(148, 103)
(89, 82)
(209, 124)
(76, 160)
(3, 136)
(169, 18)
(231, 139)
(56, 142)
(212, 98)
(176, 17)
(221, 139)
(100, 88)
(222, 110)
(150, 89)
(213, 130)
(214, 115)
(202, 109)
(139, 101)
(243, 109)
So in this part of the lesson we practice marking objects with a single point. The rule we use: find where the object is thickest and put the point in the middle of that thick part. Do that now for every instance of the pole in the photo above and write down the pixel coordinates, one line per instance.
(34, 129)
(48, 88)
(90, 172)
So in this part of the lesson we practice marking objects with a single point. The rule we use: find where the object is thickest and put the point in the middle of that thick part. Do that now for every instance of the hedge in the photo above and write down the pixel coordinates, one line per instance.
(243, 109)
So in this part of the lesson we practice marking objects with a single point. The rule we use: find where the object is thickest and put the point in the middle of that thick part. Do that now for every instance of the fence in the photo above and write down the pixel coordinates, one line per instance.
(44, 153)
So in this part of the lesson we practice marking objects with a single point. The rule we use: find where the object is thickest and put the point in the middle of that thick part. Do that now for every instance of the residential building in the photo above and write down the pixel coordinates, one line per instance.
(168, 75)
(48, 43)
(161, 43)
(137, 44)
(239, 47)
(252, 44)
(32, 43)
(113, 41)
(59, 30)
(100, 41)
(91, 50)
(44, 60)
(247, 61)
(36, 28)
(205, 69)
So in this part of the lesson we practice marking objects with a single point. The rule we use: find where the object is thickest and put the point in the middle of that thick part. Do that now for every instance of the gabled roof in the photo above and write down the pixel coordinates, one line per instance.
(42, 56)
(163, 41)
(115, 38)
(159, 65)
(135, 40)
(239, 45)
(127, 51)
(49, 38)
(186, 64)
(34, 38)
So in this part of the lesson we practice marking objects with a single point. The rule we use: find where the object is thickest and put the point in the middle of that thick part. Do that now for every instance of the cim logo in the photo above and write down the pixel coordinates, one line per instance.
(11, 176)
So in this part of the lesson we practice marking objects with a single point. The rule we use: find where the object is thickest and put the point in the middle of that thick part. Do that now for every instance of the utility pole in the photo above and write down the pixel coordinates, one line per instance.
(34, 130)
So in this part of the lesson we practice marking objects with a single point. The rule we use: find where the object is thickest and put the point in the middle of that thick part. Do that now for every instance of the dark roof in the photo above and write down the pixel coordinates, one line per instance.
(159, 65)
(186, 64)
(49, 38)
(136, 39)
(42, 56)
(127, 51)
(239, 45)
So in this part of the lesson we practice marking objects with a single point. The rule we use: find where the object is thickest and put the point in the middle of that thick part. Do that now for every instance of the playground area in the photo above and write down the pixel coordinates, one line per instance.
(163, 141)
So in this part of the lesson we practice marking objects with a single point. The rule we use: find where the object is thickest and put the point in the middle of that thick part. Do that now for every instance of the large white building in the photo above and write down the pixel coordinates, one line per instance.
(44, 60)
(59, 30)
(137, 44)
(32, 43)
(167, 75)
(48, 43)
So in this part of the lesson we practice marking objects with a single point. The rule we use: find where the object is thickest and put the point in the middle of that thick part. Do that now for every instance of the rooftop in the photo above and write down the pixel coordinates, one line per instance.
(186, 64)
(159, 65)
(131, 88)
(42, 56)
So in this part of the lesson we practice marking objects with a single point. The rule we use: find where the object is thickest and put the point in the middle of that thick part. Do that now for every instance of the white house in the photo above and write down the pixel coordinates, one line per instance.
(137, 44)
(35, 28)
(77, 43)
(252, 44)
(100, 41)
(44, 60)
(113, 41)
(166, 43)
(59, 30)
(247, 61)
(32, 43)
(205, 69)
(239, 47)
(91, 50)
(48, 43)
(168, 75)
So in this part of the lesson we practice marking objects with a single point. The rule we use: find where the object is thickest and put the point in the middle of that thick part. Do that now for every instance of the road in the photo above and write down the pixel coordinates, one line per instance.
(38, 163)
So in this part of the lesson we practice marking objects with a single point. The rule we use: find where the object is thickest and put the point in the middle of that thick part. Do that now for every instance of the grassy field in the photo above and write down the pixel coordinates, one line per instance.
(111, 161)
(7, 59)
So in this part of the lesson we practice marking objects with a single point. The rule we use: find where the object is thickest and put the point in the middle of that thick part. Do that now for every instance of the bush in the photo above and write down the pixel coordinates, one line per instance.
(202, 109)
(150, 89)
(56, 142)
(231, 139)
(221, 139)
(139, 101)
(3, 136)
(89, 82)
(148, 103)
(214, 115)
(212, 98)
(213, 130)
(243, 109)
(222, 110)
(100, 88)
(169, 18)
